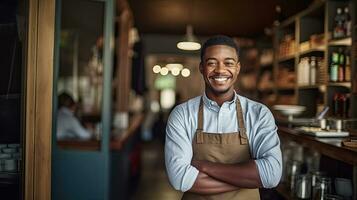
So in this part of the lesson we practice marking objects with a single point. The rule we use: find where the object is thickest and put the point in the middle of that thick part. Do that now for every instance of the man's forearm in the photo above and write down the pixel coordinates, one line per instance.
(243, 175)
(205, 184)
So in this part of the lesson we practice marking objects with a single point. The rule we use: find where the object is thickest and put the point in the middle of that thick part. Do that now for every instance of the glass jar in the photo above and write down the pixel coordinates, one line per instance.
(293, 169)
(303, 186)
(322, 187)
(315, 175)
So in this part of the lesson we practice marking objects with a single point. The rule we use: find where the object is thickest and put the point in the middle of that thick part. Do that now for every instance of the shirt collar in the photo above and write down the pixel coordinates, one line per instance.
(213, 105)
(66, 111)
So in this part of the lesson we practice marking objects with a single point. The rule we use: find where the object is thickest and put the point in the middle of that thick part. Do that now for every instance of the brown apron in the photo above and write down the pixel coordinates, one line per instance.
(222, 148)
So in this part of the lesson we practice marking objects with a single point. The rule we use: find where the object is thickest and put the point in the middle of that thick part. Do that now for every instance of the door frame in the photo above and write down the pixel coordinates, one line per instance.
(38, 99)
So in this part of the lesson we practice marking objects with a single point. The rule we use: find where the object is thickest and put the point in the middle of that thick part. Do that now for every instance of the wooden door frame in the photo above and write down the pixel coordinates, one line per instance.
(38, 99)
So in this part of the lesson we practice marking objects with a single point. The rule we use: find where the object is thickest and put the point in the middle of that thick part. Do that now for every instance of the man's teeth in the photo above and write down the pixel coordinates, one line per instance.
(221, 79)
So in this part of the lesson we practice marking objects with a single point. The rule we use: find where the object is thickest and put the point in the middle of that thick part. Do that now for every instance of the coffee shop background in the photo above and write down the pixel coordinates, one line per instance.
(120, 62)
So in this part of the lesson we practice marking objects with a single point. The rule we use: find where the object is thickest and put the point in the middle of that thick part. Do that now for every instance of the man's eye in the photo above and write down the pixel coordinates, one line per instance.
(211, 63)
(230, 64)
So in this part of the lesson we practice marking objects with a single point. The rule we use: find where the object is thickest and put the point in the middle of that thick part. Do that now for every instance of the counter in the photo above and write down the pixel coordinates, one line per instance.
(330, 147)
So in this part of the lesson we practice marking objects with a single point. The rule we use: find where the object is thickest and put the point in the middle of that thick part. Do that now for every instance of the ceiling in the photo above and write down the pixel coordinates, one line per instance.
(231, 17)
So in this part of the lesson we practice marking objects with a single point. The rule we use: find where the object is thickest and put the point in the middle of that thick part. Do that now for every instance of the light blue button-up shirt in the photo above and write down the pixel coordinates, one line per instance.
(261, 132)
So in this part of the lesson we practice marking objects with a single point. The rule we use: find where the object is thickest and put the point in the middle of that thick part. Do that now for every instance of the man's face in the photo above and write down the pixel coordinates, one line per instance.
(220, 68)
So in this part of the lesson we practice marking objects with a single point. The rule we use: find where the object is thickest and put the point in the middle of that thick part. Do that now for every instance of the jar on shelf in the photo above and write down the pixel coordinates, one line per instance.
(322, 188)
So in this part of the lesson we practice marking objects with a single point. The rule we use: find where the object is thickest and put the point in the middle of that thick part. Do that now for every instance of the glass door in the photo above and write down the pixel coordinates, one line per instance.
(82, 99)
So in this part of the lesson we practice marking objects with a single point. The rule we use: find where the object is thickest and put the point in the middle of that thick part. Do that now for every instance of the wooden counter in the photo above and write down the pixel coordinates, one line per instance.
(115, 143)
(330, 147)
(90, 145)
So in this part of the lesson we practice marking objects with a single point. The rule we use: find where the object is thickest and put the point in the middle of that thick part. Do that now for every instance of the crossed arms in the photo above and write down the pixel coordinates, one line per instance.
(216, 178)
(187, 175)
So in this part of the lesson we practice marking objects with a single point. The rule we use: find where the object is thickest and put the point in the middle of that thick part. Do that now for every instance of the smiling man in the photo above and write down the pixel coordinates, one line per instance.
(222, 145)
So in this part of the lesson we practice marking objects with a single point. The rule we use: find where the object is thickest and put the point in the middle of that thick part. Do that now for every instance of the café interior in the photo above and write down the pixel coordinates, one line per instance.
(115, 69)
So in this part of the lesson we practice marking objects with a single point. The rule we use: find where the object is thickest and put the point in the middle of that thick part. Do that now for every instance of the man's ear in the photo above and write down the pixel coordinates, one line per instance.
(238, 67)
(201, 67)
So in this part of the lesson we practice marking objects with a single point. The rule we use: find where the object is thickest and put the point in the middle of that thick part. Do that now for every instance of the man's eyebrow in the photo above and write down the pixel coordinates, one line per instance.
(215, 59)
(207, 59)
(230, 59)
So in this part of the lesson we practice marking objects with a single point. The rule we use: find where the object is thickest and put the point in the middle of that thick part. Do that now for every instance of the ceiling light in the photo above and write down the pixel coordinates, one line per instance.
(164, 71)
(185, 72)
(172, 66)
(189, 42)
(175, 71)
(156, 69)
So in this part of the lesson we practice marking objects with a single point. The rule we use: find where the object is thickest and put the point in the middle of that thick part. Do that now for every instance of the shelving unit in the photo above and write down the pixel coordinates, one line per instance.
(341, 42)
(309, 35)
(11, 102)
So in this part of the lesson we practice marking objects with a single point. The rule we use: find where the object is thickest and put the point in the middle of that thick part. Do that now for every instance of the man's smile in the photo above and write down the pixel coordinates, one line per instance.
(220, 79)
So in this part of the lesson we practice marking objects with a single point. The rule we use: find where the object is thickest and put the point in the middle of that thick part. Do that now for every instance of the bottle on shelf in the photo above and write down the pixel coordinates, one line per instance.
(338, 31)
(340, 105)
(334, 67)
(347, 25)
(341, 66)
(313, 71)
(348, 69)
(304, 71)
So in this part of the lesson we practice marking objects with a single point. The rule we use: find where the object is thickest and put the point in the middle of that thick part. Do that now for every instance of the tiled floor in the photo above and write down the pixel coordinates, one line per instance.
(154, 184)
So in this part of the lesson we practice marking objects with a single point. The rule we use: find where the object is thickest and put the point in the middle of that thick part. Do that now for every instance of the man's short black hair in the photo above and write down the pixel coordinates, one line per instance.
(219, 40)
(65, 100)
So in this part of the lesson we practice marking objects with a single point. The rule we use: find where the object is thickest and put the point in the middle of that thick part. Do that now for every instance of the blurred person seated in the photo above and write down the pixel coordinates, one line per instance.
(68, 125)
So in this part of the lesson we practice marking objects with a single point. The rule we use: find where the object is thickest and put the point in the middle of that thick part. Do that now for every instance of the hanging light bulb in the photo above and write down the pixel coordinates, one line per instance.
(189, 42)
(185, 72)
(156, 69)
(164, 71)
(175, 71)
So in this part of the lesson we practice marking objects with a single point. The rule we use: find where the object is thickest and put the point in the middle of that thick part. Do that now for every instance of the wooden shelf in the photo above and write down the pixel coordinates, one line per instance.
(266, 65)
(285, 88)
(90, 145)
(341, 42)
(9, 177)
(342, 84)
(307, 87)
(266, 90)
(287, 58)
(330, 147)
(10, 96)
(312, 50)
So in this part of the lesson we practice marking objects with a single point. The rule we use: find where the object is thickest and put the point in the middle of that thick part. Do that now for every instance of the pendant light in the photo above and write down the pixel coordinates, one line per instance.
(189, 42)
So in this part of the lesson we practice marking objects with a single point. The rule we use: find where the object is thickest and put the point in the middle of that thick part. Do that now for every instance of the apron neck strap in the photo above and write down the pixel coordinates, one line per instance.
(200, 116)
(240, 121)
(239, 112)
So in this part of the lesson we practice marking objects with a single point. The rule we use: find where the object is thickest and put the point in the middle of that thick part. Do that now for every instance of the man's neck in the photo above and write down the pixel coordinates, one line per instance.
(220, 98)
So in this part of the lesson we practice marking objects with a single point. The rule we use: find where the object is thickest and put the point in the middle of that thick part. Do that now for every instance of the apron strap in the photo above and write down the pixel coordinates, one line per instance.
(242, 131)
(200, 116)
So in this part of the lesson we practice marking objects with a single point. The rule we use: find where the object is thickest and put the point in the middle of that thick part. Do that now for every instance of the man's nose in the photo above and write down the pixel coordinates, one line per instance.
(220, 67)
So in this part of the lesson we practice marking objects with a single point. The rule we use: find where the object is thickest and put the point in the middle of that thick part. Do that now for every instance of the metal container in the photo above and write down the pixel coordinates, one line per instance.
(323, 187)
(293, 169)
(303, 186)
(315, 175)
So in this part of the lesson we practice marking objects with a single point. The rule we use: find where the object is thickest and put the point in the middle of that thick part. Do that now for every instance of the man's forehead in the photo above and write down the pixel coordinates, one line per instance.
(227, 52)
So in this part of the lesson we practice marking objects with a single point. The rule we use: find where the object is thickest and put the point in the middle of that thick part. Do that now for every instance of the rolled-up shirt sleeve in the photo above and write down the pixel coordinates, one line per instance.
(178, 151)
(266, 149)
